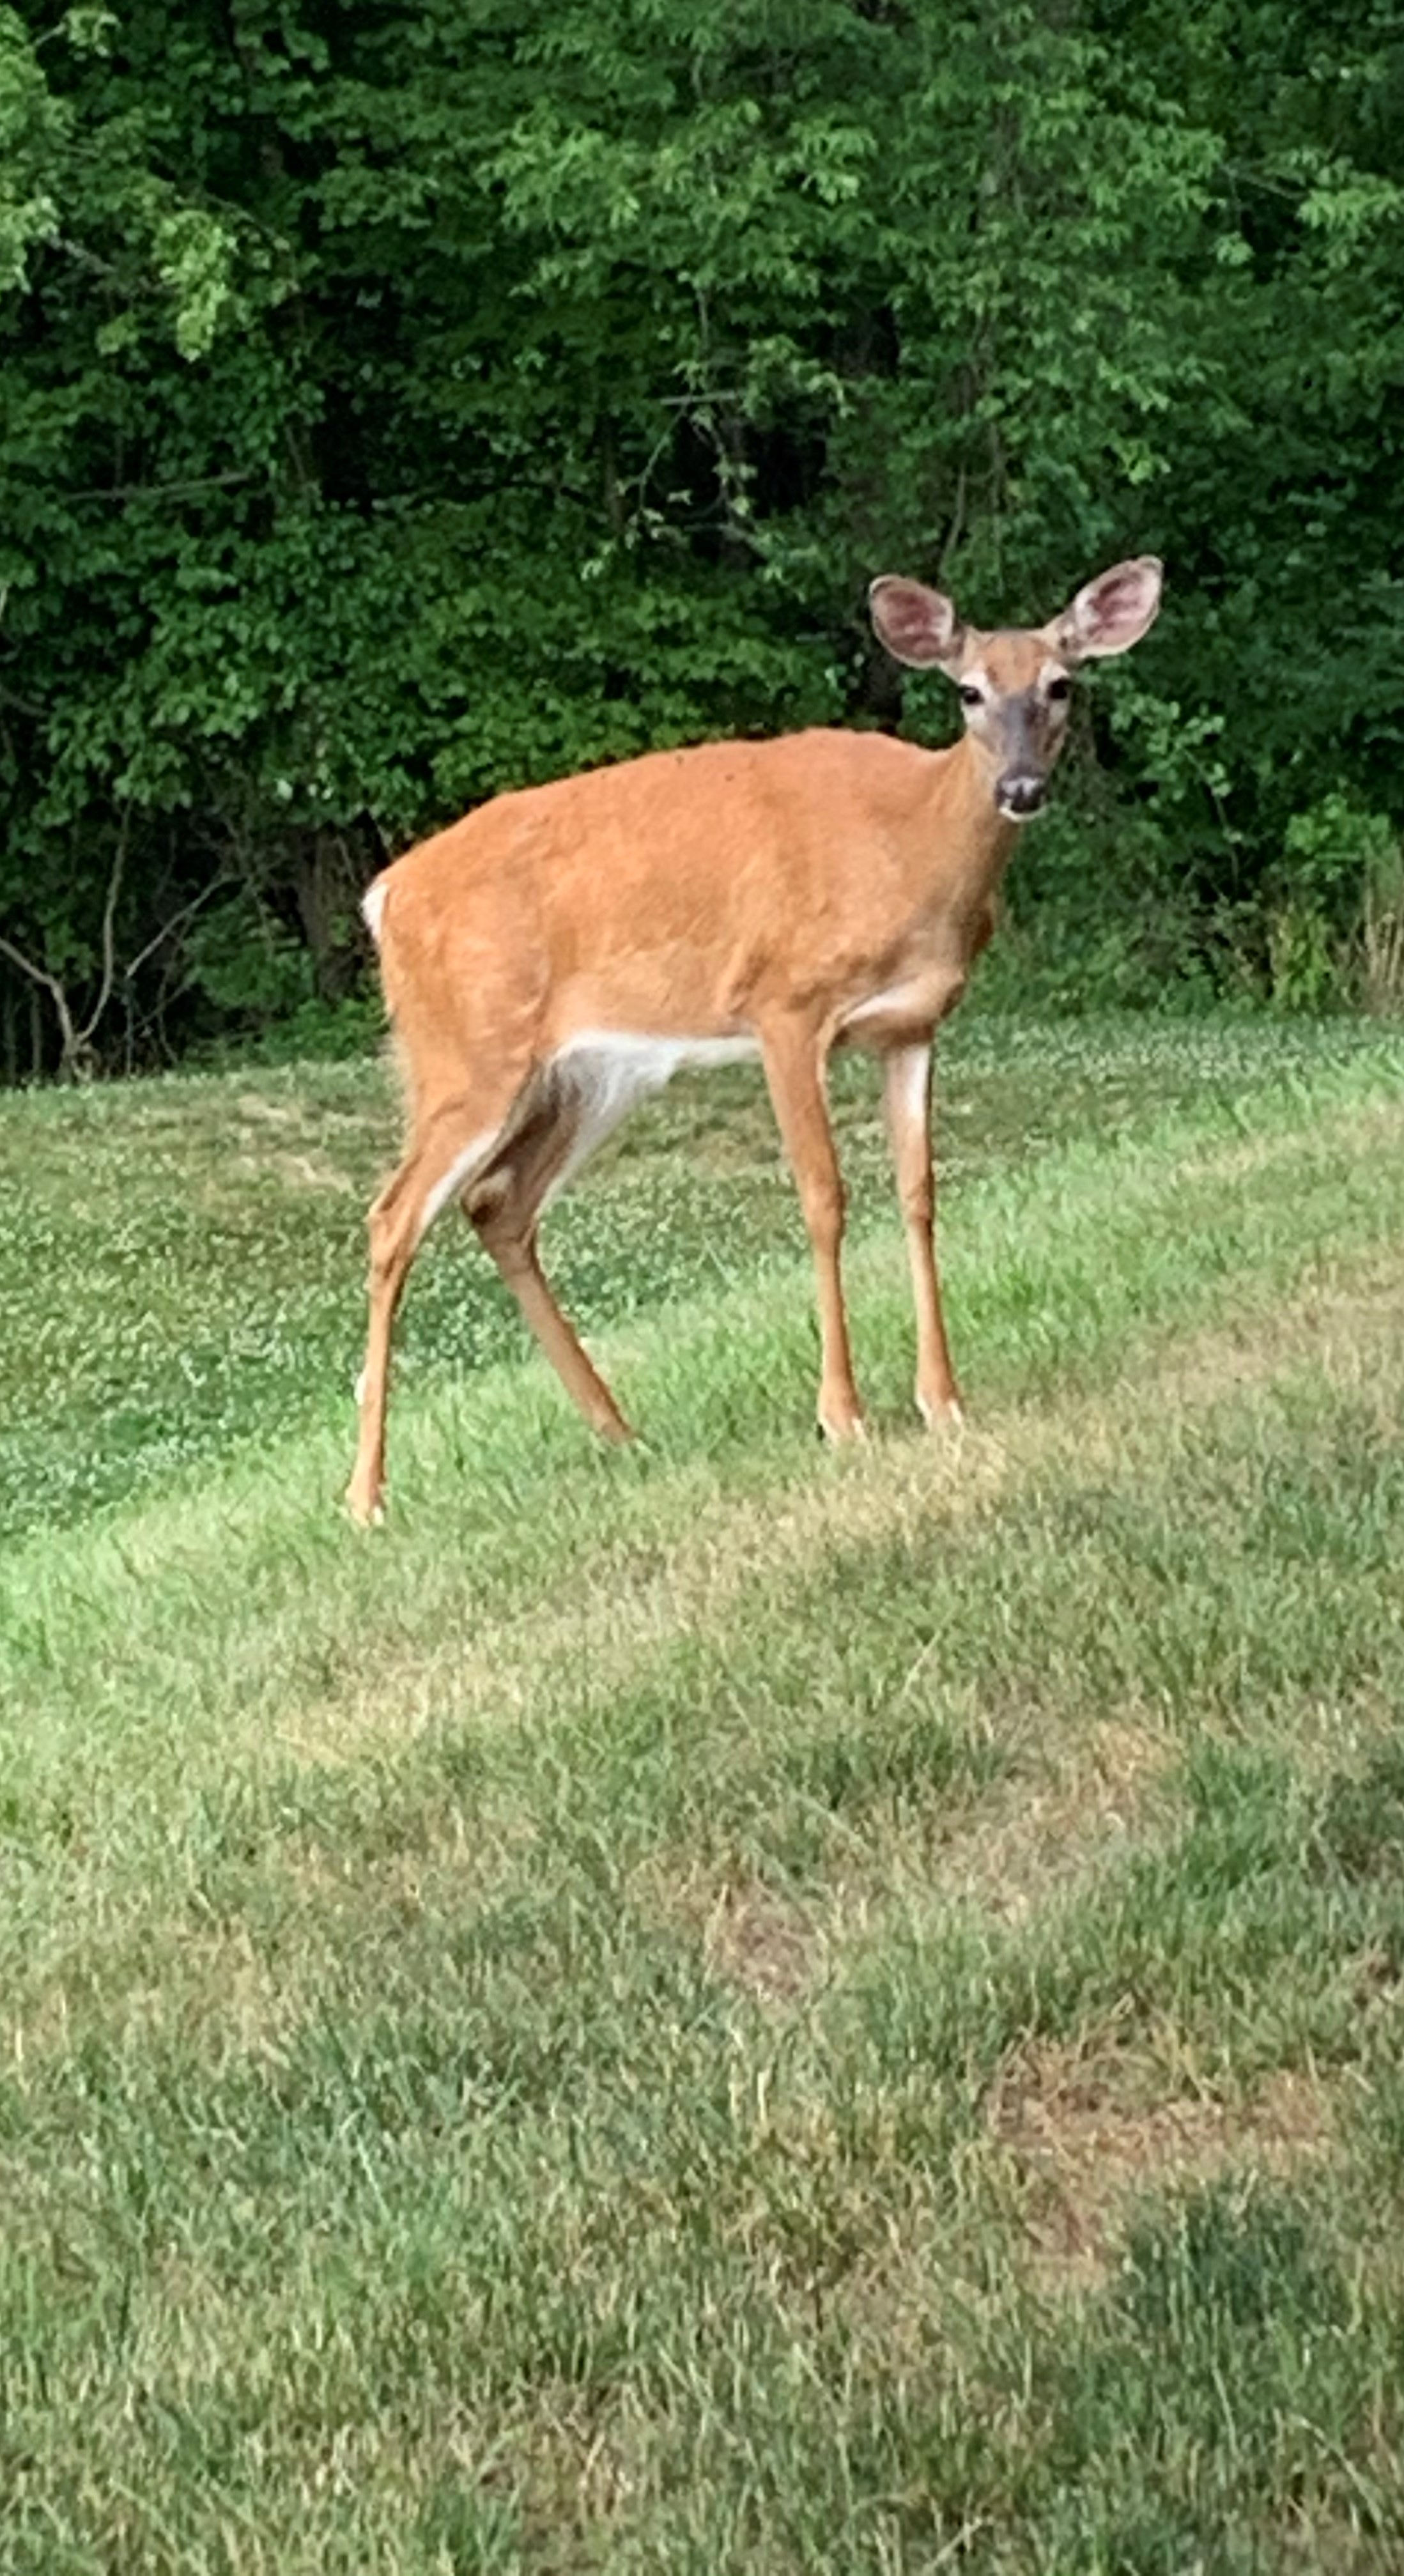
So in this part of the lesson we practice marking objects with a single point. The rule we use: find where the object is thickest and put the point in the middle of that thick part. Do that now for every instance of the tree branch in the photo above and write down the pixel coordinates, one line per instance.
(109, 916)
(177, 922)
(164, 491)
(52, 986)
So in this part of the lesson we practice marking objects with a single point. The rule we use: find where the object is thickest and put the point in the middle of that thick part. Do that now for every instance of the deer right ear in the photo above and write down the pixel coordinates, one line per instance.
(917, 625)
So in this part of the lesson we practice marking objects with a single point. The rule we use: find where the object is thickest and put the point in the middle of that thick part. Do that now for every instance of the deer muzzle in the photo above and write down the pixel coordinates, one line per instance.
(1019, 793)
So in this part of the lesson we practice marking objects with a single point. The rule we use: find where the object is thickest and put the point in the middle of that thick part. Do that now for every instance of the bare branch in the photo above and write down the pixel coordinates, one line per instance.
(26, 965)
(53, 987)
(177, 922)
(109, 915)
(956, 527)
(164, 491)
(22, 706)
(77, 1050)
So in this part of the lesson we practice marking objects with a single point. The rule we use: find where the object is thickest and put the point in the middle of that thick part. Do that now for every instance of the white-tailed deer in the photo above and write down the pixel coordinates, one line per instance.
(564, 949)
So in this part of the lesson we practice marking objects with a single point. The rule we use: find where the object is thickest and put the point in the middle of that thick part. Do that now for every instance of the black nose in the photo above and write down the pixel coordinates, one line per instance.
(1020, 792)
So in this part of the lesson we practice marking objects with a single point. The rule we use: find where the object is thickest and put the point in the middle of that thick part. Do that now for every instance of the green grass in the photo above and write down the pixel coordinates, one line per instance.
(185, 1258)
(720, 2006)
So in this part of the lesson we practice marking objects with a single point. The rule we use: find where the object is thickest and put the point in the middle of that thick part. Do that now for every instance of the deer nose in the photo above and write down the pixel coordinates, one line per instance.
(1020, 792)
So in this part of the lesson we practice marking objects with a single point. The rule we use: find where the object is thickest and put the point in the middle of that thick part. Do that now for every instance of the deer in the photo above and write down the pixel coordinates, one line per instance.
(563, 950)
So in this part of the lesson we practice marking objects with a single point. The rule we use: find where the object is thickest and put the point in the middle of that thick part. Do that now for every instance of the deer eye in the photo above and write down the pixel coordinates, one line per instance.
(1058, 689)
(972, 697)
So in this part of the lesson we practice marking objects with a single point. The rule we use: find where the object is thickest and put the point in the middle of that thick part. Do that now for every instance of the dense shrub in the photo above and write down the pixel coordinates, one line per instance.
(401, 402)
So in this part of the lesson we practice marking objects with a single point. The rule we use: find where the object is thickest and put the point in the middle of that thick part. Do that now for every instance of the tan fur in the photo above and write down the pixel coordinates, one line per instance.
(820, 889)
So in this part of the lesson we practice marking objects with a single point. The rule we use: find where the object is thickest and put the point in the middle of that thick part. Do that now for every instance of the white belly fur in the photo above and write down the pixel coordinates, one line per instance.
(610, 1070)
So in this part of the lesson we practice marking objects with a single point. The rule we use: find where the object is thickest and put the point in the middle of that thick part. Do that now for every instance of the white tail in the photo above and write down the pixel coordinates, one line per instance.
(565, 949)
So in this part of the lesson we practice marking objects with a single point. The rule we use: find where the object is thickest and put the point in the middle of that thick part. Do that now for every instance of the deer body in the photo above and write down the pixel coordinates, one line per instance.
(565, 949)
(687, 895)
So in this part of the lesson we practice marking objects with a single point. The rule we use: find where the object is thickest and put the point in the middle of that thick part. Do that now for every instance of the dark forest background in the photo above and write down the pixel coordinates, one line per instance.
(405, 400)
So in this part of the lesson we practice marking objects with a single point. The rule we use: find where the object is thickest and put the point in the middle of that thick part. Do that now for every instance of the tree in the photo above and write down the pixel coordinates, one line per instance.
(406, 402)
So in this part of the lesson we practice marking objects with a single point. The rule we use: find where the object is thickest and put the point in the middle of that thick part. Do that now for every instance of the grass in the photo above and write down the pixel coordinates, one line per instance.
(719, 2006)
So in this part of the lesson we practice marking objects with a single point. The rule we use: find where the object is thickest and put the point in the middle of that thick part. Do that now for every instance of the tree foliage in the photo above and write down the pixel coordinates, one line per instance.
(408, 401)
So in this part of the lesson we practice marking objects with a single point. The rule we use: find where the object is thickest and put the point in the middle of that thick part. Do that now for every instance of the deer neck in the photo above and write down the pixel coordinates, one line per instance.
(963, 829)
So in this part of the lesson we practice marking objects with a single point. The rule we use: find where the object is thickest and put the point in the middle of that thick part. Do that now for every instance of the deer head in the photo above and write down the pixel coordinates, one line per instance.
(1015, 683)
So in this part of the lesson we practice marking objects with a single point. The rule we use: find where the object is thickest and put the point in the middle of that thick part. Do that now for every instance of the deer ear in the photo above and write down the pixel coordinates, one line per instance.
(917, 625)
(1111, 613)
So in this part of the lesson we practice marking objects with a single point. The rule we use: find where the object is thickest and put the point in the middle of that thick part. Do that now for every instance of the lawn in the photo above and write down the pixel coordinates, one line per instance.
(721, 2006)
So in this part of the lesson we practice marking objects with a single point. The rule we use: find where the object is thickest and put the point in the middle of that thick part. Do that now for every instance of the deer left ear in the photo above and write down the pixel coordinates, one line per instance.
(1111, 613)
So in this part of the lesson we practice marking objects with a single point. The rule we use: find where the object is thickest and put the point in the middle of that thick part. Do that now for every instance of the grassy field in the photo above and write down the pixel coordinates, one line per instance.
(718, 2007)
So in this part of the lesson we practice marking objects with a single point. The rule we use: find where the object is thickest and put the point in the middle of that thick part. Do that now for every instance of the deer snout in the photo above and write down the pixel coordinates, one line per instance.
(1020, 793)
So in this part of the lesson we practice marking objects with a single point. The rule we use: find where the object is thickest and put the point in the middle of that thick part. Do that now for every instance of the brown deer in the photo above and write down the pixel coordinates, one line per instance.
(563, 950)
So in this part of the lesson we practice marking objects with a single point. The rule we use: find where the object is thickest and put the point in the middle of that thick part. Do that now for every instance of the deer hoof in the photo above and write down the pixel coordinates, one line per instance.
(841, 1430)
(941, 1412)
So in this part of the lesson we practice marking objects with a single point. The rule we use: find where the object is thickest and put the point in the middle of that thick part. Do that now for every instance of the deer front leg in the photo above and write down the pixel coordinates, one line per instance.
(907, 1101)
(794, 1072)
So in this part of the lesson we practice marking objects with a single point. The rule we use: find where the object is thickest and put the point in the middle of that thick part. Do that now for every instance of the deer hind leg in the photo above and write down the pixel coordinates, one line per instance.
(550, 1137)
(514, 1251)
(444, 1150)
(794, 1072)
(907, 1100)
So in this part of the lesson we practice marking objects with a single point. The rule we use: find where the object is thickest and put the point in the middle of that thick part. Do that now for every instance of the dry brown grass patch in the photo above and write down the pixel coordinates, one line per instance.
(1088, 2128)
(1333, 1325)
(759, 1941)
(570, 2469)
(763, 1943)
(1037, 1838)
